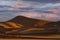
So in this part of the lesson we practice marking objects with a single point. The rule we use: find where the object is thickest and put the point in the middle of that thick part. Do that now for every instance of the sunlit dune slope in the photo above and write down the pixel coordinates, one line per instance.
(26, 26)
(21, 21)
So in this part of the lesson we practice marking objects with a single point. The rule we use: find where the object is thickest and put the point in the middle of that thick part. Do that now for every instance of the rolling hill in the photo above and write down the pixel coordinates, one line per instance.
(23, 25)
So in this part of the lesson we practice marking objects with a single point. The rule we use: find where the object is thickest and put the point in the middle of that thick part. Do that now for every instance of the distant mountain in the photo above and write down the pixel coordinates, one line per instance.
(24, 25)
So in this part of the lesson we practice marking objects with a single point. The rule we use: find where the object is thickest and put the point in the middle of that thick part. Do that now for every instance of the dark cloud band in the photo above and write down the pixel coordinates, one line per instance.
(53, 1)
(44, 1)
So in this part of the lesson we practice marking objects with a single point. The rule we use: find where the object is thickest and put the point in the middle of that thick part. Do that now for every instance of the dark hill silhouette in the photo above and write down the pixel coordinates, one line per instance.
(27, 21)
(24, 21)
(24, 25)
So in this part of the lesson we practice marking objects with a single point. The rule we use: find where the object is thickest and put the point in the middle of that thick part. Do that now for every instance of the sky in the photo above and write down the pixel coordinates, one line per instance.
(36, 9)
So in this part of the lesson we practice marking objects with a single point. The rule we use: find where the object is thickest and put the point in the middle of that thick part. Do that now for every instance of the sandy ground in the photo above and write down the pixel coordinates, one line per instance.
(51, 36)
(29, 39)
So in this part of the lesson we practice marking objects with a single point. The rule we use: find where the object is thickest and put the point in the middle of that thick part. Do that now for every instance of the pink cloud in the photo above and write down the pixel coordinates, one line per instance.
(55, 10)
(35, 15)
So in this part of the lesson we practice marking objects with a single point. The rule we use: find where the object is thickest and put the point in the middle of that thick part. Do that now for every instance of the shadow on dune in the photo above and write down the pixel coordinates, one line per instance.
(21, 25)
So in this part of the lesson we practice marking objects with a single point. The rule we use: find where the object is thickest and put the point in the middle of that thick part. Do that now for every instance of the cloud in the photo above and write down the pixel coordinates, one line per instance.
(54, 10)
(5, 16)
(52, 17)
(41, 1)
(45, 1)
(51, 14)
(35, 15)
(43, 10)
